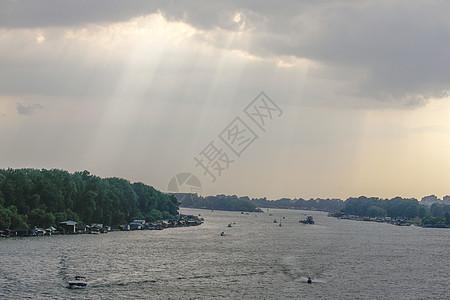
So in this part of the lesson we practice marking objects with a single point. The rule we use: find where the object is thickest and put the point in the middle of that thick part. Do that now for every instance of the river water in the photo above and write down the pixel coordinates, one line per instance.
(256, 259)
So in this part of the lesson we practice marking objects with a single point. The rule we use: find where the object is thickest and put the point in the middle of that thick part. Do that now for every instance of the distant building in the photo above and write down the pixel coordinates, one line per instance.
(68, 226)
(82, 228)
(136, 226)
(124, 227)
(97, 226)
(21, 231)
(142, 222)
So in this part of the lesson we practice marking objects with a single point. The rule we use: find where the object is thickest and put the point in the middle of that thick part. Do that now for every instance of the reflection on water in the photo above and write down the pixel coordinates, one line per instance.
(256, 259)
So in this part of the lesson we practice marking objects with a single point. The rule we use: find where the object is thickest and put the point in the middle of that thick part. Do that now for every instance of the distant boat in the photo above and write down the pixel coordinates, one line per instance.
(309, 220)
(222, 234)
(80, 281)
(229, 225)
(275, 221)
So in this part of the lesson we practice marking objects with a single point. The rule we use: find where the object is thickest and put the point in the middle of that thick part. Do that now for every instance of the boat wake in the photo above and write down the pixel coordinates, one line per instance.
(291, 267)
(159, 280)
(304, 279)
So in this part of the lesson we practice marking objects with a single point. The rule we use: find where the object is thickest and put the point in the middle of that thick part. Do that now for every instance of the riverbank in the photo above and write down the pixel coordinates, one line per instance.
(398, 222)
(71, 227)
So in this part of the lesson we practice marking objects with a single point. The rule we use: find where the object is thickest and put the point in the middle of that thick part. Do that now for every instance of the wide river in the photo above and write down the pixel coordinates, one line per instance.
(256, 259)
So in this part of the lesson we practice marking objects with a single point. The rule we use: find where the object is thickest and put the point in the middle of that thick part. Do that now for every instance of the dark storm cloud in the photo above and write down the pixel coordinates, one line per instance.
(45, 13)
(201, 14)
(390, 51)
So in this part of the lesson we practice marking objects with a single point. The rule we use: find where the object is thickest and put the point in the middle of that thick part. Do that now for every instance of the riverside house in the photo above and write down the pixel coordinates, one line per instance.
(68, 226)
(137, 225)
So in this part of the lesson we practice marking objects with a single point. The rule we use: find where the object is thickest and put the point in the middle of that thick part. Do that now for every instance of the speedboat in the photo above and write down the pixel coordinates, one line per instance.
(309, 220)
(80, 281)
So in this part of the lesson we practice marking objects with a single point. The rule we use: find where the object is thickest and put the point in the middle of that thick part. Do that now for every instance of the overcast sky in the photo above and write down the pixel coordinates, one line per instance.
(139, 89)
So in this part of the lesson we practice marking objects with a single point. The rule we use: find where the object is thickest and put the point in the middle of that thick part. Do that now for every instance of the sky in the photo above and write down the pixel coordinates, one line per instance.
(355, 94)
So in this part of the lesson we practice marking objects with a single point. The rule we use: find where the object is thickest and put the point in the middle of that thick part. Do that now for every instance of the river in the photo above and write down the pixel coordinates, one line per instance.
(256, 259)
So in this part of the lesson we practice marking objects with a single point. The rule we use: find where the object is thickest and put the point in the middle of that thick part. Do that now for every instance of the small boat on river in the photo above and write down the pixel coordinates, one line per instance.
(309, 220)
(80, 281)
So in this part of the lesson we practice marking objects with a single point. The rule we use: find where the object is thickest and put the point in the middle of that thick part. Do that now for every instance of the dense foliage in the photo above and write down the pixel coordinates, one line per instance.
(317, 204)
(30, 197)
(223, 202)
(395, 208)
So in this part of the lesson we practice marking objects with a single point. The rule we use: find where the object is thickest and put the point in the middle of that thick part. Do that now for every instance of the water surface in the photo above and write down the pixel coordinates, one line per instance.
(256, 259)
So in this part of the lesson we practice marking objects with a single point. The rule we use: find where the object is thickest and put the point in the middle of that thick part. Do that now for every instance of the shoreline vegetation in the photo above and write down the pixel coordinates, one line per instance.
(430, 212)
(32, 199)
(219, 202)
(427, 222)
(36, 201)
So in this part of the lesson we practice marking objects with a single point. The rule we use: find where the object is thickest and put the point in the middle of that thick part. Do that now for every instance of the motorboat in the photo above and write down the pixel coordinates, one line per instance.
(80, 281)
(309, 220)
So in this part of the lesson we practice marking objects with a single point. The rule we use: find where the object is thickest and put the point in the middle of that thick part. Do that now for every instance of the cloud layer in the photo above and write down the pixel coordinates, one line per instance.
(137, 88)
(390, 52)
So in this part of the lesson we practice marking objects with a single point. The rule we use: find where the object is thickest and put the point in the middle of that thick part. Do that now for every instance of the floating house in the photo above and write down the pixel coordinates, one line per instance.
(83, 228)
(124, 227)
(96, 228)
(37, 231)
(22, 231)
(136, 226)
(68, 226)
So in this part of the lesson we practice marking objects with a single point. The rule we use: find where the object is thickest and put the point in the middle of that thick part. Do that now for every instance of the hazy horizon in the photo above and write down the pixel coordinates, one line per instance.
(139, 90)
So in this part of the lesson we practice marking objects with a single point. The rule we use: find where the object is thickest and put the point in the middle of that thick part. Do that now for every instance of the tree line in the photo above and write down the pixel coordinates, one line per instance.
(317, 204)
(398, 207)
(405, 208)
(31, 197)
(218, 202)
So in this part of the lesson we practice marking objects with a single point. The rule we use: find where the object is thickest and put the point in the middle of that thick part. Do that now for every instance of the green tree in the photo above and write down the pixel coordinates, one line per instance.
(154, 215)
(437, 210)
(5, 219)
(17, 220)
(375, 211)
(40, 218)
(44, 197)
